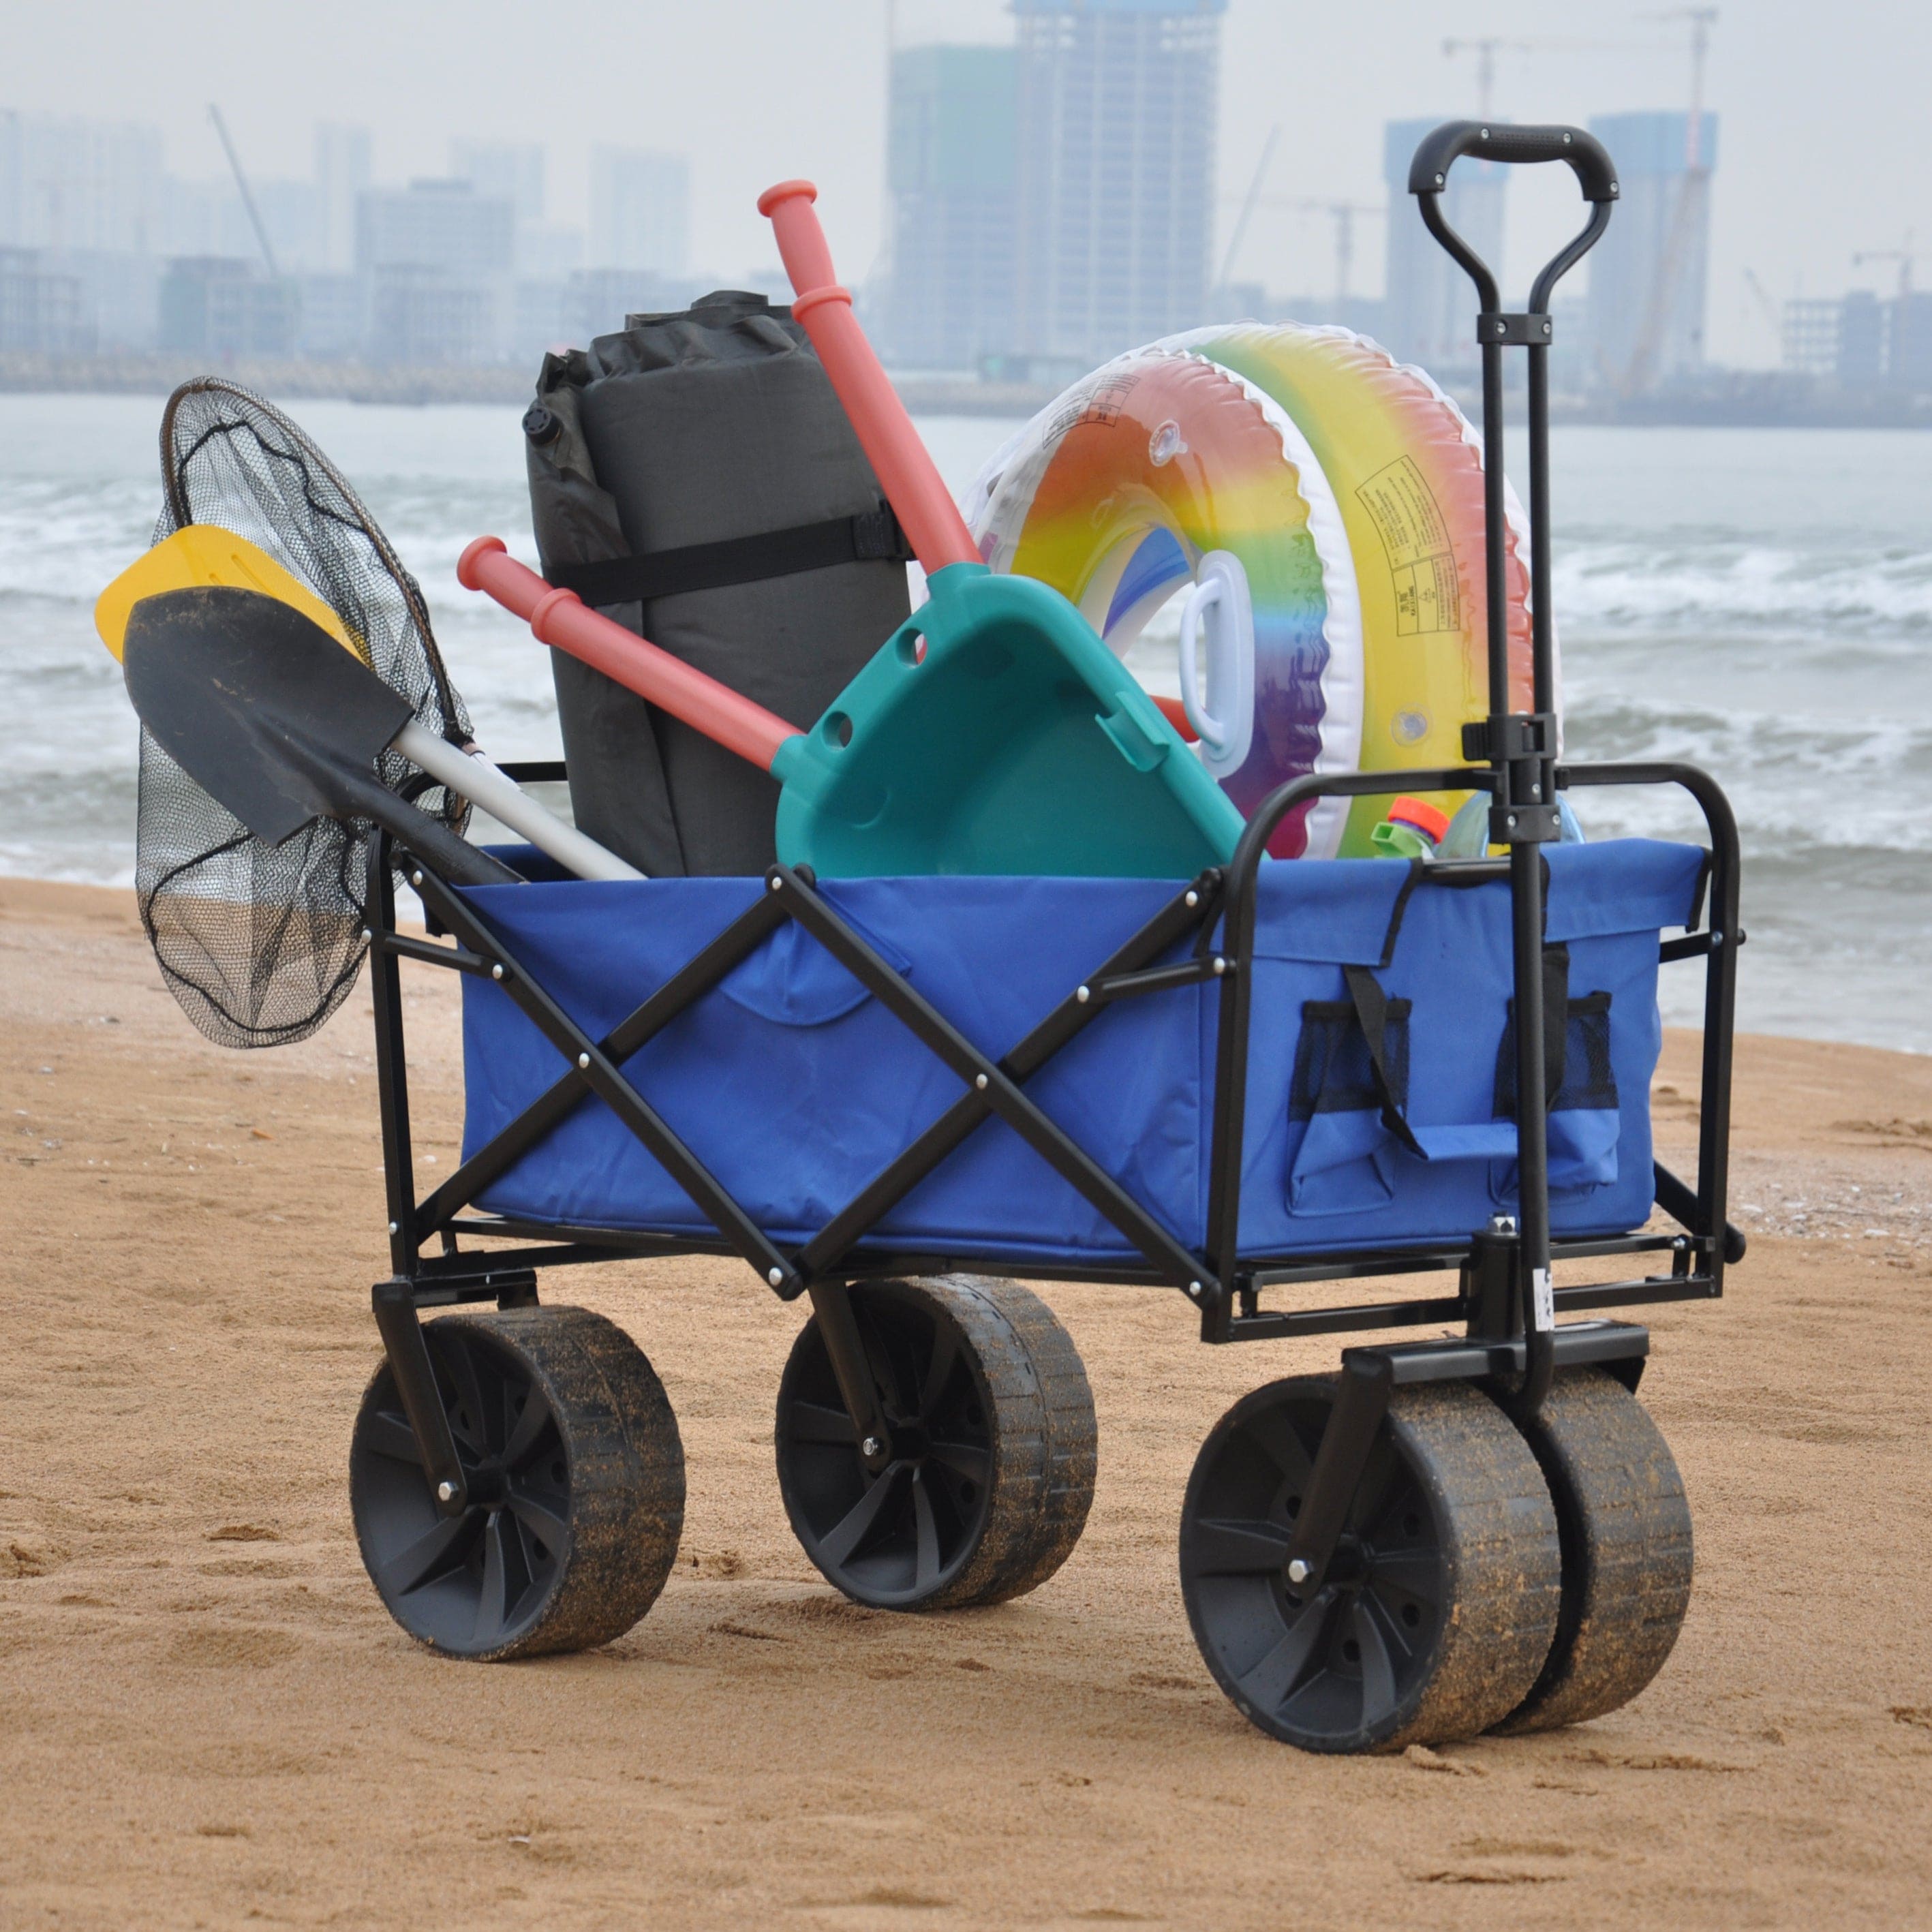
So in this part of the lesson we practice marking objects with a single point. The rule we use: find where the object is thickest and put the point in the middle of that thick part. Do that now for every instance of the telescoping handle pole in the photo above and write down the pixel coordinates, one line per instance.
(560, 618)
(913, 485)
(1520, 748)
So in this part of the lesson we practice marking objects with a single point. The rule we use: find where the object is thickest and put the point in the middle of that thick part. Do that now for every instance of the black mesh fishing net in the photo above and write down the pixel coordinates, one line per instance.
(260, 943)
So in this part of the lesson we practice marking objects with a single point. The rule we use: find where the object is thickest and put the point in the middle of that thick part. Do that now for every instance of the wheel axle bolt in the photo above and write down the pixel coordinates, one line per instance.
(445, 1491)
(871, 1447)
(1300, 1570)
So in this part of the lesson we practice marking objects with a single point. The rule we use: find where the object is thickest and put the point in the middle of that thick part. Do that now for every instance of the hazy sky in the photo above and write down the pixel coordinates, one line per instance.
(1826, 140)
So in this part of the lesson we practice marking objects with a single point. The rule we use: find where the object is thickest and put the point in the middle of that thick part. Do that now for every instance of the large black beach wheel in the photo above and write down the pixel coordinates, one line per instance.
(982, 1488)
(575, 1475)
(1626, 1530)
(1439, 1606)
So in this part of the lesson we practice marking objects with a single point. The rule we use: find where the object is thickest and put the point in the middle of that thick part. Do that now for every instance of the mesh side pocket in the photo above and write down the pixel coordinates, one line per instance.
(1334, 1073)
(1588, 1085)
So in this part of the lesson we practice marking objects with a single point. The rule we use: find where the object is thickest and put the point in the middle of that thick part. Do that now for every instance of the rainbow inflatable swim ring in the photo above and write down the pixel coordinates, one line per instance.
(1326, 504)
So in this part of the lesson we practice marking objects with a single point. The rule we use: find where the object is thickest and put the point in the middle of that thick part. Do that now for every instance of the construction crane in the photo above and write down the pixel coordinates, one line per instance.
(260, 227)
(1248, 202)
(1686, 216)
(1485, 50)
(1487, 47)
(1904, 257)
(1766, 307)
(1342, 213)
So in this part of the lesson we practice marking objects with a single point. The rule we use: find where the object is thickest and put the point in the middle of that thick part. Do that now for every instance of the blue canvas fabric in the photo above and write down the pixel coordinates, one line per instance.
(795, 1087)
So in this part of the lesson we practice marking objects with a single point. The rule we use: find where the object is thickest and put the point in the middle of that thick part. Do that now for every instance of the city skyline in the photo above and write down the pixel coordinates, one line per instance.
(800, 88)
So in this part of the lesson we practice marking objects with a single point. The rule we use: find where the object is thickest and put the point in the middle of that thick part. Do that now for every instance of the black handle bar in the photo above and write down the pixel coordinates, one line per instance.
(1497, 141)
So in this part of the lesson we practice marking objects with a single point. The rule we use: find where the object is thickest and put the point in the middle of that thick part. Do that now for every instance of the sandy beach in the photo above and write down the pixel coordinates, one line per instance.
(207, 1717)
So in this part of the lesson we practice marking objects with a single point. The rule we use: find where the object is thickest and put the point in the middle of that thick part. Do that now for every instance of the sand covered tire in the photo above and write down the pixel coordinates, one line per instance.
(576, 1478)
(1625, 1526)
(1441, 1604)
(992, 1462)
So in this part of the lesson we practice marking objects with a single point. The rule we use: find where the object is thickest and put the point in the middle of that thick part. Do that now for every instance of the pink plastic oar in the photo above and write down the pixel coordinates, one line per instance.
(913, 486)
(560, 618)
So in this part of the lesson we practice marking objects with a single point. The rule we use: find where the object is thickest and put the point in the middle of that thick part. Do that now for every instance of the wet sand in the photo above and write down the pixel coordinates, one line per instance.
(207, 1718)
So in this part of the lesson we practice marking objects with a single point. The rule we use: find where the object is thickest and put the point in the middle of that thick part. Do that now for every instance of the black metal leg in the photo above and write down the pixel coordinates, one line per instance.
(831, 1309)
(395, 1306)
(1361, 1404)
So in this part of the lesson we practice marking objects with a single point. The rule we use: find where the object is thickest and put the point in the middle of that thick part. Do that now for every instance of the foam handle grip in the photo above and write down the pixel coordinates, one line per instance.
(913, 486)
(1497, 141)
(559, 618)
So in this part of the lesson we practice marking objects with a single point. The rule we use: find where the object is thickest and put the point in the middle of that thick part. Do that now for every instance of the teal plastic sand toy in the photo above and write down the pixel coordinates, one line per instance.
(996, 734)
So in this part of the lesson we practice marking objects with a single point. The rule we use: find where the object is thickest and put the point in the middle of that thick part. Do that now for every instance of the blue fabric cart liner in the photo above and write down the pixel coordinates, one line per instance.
(792, 1084)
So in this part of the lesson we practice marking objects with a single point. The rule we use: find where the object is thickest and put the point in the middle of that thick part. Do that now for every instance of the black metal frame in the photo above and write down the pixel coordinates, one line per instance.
(1505, 1299)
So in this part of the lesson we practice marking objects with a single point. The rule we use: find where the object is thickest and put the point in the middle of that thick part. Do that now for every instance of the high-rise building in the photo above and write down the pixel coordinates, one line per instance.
(442, 225)
(640, 210)
(1429, 306)
(437, 255)
(41, 307)
(1116, 104)
(1648, 275)
(72, 185)
(512, 170)
(216, 305)
(949, 166)
(341, 174)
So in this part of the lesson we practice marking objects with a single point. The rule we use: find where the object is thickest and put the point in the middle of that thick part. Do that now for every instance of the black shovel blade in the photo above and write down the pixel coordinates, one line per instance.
(258, 704)
(275, 720)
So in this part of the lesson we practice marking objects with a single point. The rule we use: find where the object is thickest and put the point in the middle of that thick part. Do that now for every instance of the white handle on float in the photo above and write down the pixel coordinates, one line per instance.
(1222, 715)
(477, 779)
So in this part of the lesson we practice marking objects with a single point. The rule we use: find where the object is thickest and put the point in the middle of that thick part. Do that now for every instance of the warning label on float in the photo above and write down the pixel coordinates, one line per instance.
(1100, 401)
(1422, 561)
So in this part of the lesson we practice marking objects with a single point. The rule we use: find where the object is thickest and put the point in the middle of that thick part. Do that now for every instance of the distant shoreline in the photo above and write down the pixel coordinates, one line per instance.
(1749, 407)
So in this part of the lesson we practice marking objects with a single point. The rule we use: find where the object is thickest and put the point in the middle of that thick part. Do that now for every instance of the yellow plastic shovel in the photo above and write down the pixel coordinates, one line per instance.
(205, 553)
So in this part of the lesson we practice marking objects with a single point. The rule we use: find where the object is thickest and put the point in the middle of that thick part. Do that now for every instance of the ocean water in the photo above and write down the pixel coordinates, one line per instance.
(1759, 602)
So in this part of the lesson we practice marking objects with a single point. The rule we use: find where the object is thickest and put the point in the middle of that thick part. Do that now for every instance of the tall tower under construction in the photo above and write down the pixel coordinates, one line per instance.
(1115, 178)
(1649, 274)
(949, 162)
(1429, 314)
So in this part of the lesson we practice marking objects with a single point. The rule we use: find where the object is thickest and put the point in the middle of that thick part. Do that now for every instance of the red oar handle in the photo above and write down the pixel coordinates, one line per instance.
(560, 617)
(920, 498)
(1175, 712)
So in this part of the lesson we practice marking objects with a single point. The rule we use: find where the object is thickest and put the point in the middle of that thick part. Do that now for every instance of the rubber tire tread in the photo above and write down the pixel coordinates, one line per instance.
(626, 1463)
(1627, 1555)
(1044, 1469)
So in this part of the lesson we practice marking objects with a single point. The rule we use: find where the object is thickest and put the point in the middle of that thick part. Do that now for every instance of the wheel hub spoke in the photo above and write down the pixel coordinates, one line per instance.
(492, 1605)
(1272, 1681)
(815, 1422)
(530, 1426)
(925, 1572)
(1230, 1547)
(435, 1554)
(858, 1522)
(1378, 1687)
(964, 1458)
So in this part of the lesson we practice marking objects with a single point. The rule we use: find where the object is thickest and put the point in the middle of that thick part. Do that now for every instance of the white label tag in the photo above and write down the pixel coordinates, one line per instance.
(1544, 1298)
